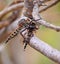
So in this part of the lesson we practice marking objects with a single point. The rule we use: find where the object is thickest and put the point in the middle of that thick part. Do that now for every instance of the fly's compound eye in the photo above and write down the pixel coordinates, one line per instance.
(33, 26)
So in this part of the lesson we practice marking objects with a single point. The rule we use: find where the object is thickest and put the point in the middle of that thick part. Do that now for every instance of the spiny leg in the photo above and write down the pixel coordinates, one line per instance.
(26, 41)
(25, 44)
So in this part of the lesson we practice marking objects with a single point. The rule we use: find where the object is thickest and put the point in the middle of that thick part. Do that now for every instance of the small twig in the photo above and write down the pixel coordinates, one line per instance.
(9, 20)
(53, 2)
(41, 21)
(13, 3)
(48, 25)
(11, 8)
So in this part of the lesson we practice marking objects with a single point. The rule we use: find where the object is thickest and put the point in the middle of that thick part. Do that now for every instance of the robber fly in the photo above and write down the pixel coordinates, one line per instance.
(28, 25)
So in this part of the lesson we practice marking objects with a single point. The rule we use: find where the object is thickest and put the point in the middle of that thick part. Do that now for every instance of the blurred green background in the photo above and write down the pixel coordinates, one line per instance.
(50, 36)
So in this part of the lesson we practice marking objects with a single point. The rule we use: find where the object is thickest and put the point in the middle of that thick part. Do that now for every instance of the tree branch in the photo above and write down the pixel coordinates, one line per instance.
(45, 49)
(48, 25)
(41, 21)
(39, 45)
(48, 5)
(6, 24)
(20, 5)
(9, 20)
(11, 8)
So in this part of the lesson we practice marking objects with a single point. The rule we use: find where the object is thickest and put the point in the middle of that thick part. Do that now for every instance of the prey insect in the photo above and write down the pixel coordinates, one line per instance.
(23, 25)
